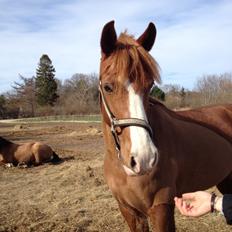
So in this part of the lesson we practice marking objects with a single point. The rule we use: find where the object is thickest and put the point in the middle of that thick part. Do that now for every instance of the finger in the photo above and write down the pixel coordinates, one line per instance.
(182, 207)
(183, 211)
(188, 196)
(188, 206)
(187, 209)
(177, 202)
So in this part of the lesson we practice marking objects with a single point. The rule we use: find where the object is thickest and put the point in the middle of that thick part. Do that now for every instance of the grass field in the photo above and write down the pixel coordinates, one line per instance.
(71, 196)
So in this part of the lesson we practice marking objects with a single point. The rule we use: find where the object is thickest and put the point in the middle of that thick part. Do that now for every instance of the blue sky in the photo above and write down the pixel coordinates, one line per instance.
(194, 37)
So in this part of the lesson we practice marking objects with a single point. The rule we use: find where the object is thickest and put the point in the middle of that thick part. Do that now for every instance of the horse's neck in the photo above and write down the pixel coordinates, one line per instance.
(7, 152)
(217, 118)
(165, 115)
(159, 117)
(170, 126)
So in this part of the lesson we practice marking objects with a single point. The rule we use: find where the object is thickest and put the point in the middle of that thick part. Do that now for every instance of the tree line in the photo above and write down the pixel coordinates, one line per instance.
(209, 90)
(44, 94)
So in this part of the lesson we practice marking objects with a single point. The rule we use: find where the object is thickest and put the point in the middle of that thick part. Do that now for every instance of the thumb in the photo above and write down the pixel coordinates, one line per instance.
(188, 196)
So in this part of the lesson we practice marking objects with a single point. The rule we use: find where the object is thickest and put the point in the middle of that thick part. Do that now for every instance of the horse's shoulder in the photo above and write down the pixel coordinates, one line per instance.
(41, 146)
(38, 143)
(28, 144)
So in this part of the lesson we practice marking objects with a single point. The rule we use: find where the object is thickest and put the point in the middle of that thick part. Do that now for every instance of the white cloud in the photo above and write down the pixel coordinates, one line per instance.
(199, 43)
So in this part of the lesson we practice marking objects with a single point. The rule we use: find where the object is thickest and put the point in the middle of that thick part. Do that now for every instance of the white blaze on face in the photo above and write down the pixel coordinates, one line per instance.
(142, 148)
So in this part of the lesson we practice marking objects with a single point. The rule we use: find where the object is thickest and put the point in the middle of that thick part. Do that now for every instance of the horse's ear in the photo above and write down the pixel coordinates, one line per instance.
(108, 38)
(147, 39)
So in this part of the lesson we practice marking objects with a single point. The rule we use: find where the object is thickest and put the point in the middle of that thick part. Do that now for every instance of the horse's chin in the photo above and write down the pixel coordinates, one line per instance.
(130, 172)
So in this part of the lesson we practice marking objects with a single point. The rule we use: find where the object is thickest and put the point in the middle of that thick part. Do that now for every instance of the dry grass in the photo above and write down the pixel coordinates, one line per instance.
(71, 196)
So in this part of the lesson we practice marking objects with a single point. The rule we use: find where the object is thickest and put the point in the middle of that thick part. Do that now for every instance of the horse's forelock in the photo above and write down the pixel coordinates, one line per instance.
(132, 60)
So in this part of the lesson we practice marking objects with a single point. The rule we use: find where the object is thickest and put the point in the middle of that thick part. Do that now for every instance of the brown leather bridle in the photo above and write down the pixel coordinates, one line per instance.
(121, 123)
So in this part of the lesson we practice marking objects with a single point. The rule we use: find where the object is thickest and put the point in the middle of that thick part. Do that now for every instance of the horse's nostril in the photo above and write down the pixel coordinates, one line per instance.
(132, 162)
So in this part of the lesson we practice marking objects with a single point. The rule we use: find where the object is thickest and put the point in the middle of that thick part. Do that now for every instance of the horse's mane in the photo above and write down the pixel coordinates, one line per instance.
(4, 142)
(131, 60)
(188, 119)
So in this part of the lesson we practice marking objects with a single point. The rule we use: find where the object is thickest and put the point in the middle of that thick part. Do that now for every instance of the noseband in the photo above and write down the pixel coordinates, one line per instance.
(121, 123)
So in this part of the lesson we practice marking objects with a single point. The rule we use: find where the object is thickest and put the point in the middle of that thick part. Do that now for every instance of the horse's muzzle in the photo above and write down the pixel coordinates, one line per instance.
(138, 166)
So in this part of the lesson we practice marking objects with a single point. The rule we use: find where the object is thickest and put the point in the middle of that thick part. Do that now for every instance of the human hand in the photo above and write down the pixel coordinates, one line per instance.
(194, 204)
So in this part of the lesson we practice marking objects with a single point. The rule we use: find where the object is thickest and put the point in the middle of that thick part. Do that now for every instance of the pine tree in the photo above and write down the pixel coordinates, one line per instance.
(46, 86)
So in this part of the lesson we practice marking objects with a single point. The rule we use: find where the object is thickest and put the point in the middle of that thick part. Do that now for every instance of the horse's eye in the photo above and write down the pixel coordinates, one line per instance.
(108, 88)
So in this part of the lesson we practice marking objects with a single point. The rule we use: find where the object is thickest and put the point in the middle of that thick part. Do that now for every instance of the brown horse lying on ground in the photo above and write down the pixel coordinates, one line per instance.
(152, 153)
(27, 154)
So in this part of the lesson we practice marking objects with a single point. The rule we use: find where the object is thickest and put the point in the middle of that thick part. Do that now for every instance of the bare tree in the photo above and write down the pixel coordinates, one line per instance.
(215, 89)
(80, 94)
(25, 94)
(2, 106)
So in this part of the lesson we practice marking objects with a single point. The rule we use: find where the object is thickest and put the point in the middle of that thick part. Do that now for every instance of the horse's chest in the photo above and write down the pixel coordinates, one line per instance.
(132, 191)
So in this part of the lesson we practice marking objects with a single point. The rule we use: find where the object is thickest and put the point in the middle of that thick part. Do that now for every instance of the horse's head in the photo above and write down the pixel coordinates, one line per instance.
(4, 143)
(127, 73)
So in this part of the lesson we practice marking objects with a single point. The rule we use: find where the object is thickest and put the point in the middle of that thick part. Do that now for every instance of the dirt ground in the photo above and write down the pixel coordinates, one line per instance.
(70, 196)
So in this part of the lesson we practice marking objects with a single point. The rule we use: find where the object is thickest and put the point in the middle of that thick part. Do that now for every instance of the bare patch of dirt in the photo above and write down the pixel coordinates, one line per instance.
(71, 196)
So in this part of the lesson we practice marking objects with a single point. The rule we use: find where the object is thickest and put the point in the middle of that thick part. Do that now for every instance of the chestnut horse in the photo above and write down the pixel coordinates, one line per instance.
(34, 153)
(220, 116)
(152, 153)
